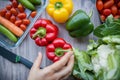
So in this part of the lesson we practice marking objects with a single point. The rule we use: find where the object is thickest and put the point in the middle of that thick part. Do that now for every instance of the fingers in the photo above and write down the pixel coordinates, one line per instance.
(38, 61)
(64, 73)
(61, 63)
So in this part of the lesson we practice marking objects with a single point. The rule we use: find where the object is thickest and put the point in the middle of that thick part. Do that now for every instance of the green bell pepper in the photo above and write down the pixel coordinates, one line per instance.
(79, 24)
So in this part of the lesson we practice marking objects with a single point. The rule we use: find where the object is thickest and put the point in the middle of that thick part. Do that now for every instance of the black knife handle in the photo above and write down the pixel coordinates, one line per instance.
(27, 63)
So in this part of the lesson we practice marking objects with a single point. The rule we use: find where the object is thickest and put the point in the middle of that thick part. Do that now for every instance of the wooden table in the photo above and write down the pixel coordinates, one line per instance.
(29, 50)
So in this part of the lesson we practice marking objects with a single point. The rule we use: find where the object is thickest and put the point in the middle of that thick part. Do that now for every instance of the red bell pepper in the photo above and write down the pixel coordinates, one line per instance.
(57, 49)
(43, 32)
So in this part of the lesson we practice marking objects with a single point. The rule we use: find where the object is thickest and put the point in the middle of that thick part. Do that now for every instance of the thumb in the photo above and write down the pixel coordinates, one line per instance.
(38, 61)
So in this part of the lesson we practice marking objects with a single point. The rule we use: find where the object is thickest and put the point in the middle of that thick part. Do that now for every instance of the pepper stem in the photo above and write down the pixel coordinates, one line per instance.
(60, 52)
(58, 5)
(41, 32)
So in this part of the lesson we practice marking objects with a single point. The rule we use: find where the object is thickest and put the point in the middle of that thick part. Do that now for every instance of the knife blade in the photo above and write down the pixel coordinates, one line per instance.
(14, 58)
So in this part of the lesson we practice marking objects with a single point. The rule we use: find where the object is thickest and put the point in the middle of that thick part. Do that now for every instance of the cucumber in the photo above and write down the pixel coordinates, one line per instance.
(35, 2)
(27, 4)
(8, 34)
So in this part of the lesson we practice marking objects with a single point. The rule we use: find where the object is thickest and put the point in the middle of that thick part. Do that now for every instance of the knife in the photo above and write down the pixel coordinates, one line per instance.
(14, 58)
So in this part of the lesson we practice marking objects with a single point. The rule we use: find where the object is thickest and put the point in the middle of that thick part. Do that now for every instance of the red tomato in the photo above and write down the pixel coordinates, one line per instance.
(8, 15)
(108, 4)
(14, 11)
(18, 22)
(117, 16)
(107, 12)
(14, 3)
(23, 27)
(8, 7)
(33, 14)
(119, 12)
(102, 17)
(118, 4)
(114, 10)
(99, 5)
(26, 21)
(21, 8)
(21, 15)
(12, 18)
(3, 12)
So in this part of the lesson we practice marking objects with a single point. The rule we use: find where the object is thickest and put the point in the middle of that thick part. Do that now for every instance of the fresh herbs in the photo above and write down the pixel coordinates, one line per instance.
(110, 27)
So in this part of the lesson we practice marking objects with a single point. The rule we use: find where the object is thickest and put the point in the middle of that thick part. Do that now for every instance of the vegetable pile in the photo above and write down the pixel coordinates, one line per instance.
(14, 18)
(101, 61)
(107, 7)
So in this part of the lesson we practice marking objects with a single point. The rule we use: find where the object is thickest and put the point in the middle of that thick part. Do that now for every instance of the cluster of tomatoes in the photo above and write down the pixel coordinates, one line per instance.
(107, 7)
(15, 12)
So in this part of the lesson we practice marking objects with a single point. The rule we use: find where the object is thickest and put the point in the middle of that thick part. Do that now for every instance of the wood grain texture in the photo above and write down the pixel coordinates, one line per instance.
(28, 49)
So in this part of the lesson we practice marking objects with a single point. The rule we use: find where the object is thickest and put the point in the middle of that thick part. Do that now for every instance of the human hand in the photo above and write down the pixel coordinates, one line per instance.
(59, 70)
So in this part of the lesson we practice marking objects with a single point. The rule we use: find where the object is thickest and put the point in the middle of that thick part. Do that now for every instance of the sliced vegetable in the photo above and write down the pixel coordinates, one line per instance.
(57, 49)
(13, 28)
(43, 32)
(27, 4)
(60, 10)
(8, 34)
(79, 25)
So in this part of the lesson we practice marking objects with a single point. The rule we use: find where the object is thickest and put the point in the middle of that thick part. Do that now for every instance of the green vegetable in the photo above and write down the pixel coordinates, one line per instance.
(101, 61)
(35, 2)
(110, 27)
(27, 4)
(79, 25)
(8, 34)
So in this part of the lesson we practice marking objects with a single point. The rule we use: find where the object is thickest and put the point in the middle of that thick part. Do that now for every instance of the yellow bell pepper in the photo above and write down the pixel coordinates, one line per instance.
(60, 10)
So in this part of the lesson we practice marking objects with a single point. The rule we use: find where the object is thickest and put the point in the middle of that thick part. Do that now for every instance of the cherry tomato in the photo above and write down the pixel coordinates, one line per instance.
(26, 21)
(99, 5)
(8, 7)
(14, 3)
(118, 12)
(114, 10)
(3, 12)
(117, 16)
(21, 15)
(14, 11)
(21, 8)
(107, 12)
(108, 4)
(8, 15)
(18, 22)
(12, 18)
(33, 14)
(118, 4)
(102, 17)
(23, 27)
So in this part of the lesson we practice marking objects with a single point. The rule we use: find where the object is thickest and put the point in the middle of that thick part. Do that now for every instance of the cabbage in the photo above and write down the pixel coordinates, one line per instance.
(101, 61)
